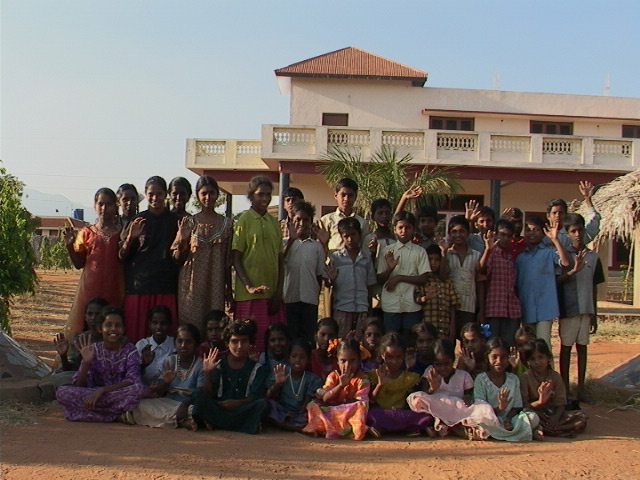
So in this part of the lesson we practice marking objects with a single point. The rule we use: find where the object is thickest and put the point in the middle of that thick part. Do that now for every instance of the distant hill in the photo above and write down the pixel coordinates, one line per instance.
(53, 204)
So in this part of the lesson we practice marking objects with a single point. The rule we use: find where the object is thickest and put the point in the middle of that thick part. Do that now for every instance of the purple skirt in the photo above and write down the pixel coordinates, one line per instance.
(398, 420)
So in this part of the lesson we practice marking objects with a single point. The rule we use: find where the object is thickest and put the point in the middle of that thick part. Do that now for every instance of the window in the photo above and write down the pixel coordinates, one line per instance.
(551, 128)
(454, 123)
(335, 119)
(630, 131)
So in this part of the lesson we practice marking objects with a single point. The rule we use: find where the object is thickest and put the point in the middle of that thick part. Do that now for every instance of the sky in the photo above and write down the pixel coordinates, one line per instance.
(99, 93)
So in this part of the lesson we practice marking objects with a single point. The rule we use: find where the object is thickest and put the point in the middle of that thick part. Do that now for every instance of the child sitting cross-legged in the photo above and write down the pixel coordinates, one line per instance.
(158, 346)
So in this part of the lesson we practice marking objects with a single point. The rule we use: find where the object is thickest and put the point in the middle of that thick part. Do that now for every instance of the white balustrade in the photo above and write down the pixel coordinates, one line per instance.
(294, 137)
(348, 138)
(612, 149)
(457, 142)
(211, 149)
(249, 149)
(408, 140)
(561, 146)
(500, 143)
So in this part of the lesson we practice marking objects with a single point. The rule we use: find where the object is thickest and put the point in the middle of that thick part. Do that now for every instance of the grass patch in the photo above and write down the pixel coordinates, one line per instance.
(14, 413)
(611, 396)
(618, 329)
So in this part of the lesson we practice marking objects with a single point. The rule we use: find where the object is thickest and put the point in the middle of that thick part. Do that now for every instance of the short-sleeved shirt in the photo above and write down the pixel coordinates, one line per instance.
(459, 383)
(303, 265)
(591, 229)
(153, 371)
(529, 388)
(501, 300)
(393, 394)
(330, 222)
(576, 293)
(476, 242)
(259, 238)
(357, 390)
(412, 261)
(350, 290)
(437, 311)
(463, 275)
(485, 389)
(294, 392)
(536, 281)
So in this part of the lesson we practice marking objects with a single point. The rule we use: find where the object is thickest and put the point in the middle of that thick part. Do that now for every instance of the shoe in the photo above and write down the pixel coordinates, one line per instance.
(375, 432)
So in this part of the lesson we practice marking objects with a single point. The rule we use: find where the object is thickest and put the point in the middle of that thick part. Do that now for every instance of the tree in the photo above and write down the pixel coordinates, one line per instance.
(388, 176)
(17, 259)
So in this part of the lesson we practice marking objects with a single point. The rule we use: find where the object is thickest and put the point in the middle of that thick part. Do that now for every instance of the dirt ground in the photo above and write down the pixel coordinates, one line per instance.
(53, 448)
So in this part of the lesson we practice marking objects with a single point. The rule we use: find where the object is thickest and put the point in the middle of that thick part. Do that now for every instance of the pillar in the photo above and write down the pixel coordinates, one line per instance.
(495, 197)
(284, 185)
(229, 204)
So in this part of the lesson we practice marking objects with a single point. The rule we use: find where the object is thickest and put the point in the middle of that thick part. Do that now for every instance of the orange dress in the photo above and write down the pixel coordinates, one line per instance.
(347, 413)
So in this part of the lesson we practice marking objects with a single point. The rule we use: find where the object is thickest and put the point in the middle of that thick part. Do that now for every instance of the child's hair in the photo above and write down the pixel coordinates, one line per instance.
(347, 183)
(206, 181)
(101, 302)
(535, 220)
(472, 327)
(516, 213)
(502, 223)
(327, 322)
(539, 345)
(350, 345)
(444, 348)
(128, 186)
(434, 250)
(240, 328)
(181, 182)
(557, 202)
(191, 330)
(305, 207)
(162, 309)
(428, 211)
(157, 181)
(301, 343)
(216, 316)
(458, 220)
(425, 327)
(349, 223)
(487, 212)
(255, 183)
(376, 322)
(293, 192)
(494, 343)
(573, 219)
(404, 216)
(391, 340)
(106, 192)
(276, 327)
(110, 310)
(525, 331)
(379, 203)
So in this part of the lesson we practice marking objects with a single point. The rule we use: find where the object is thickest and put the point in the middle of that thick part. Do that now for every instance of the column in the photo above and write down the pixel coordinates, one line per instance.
(284, 185)
(495, 197)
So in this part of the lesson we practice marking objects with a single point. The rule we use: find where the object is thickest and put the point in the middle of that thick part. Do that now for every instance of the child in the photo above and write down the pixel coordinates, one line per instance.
(343, 401)
(155, 349)
(543, 391)
(578, 297)
(390, 385)
(373, 333)
(483, 219)
(214, 323)
(232, 396)
(304, 268)
(427, 216)
(447, 396)
(351, 274)
(108, 381)
(524, 335)
(405, 265)
(322, 364)
(472, 359)
(181, 377)
(346, 192)
(257, 258)
(129, 200)
(502, 307)
(535, 277)
(179, 195)
(501, 390)
(290, 197)
(518, 242)
(421, 356)
(276, 347)
(557, 209)
(292, 388)
(382, 235)
(438, 297)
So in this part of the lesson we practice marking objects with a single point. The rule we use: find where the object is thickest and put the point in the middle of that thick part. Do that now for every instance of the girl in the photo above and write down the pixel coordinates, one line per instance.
(390, 385)
(343, 401)
(543, 392)
(276, 347)
(524, 335)
(292, 388)
(151, 275)
(232, 396)
(158, 346)
(373, 333)
(95, 250)
(472, 359)
(421, 357)
(502, 391)
(214, 323)
(322, 364)
(447, 396)
(203, 246)
(179, 195)
(108, 381)
(257, 258)
(129, 199)
(181, 376)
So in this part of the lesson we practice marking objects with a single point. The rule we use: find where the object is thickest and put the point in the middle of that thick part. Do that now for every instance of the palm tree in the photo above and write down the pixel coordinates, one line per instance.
(388, 176)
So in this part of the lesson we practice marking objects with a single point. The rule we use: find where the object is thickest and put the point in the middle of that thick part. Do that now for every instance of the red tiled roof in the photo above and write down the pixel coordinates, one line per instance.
(60, 222)
(352, 62)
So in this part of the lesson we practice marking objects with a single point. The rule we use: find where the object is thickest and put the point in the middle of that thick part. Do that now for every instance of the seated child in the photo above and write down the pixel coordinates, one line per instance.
(214, 323)
(232, 395)
(181, 377)
(373, 333)
(390, 384)
(341, 406)
(322, 363)
(108, 382)
(472, 358)
(154, 349)
(292, 388)
(420, 357)
(544, 393)
(524, 335)
(276, 347)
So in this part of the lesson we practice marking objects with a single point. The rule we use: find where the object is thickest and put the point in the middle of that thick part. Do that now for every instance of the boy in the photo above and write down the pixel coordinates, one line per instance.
(483, 219)
(155, 348)
(303, 270)
(578, 297)
(290, 196)
(438, 297)
(214, 323)
(516, 217)
(351, 274)
(557, 209)
(402, 266)
(378, 239)
(535, 277)
(345, 195)
(427, 218)
(502, 307)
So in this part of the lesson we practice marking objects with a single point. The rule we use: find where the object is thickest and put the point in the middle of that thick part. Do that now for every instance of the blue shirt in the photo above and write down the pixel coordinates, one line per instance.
(536, 281)
(577, 292)
(350, 290)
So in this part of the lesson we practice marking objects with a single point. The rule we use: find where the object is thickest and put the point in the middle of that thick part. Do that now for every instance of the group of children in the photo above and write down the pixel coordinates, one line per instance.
(396, 300)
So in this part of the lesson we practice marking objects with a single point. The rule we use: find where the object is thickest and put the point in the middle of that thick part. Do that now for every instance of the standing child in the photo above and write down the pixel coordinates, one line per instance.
(179, 195)
(257, 258)
(543, 392)
(129, 200)
(156, 348)
(403, 266)
(421, 356)
(214, 323)
(290, 197)
(108, 381)
(578, 294)
(343, 400)
(482, 219)
(472, 358)
(292, 388)
(382, 235)
(516, 217)
(322, 363)
(232, 396)
(352, 275)
(427, 216)
(304, 268)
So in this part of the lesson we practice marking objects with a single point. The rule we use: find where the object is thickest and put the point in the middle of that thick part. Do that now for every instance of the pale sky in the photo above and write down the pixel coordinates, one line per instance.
(99, 93)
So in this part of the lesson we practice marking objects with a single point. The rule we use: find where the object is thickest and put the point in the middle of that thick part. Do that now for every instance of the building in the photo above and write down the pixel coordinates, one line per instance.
(54, 226)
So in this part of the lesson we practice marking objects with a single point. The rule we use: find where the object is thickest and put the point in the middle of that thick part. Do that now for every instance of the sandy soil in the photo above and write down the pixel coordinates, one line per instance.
(55, 449)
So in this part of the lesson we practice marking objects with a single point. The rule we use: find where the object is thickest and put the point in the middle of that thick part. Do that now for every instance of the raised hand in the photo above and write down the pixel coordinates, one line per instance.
(280, 373)
(373, 245)
(85, 347)
(508, 213)
(69, 235)
(469, 359)
(383, 374)
(392, 262)
(185, 227)
(514, 357)
(414, 191)
(168, 375)
(490, 239)
(503, 398)
(434, 379)
(253, 353)
(551, 231)
(471, 210)
(579, 262)
(210, 361)
(545, 392)
(147, 355)
(345, 374)
(586, 189)
(136, 228)
(322, 234)
(332, 271)
(291, 230)
(61, 344)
